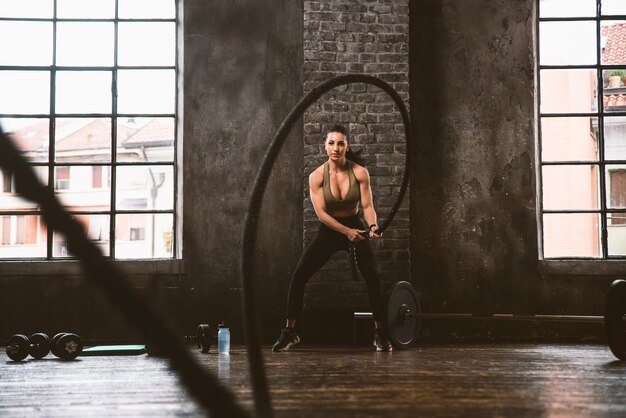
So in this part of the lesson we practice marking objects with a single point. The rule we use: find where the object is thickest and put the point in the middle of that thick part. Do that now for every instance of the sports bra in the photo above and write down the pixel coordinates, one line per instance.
(352, 198)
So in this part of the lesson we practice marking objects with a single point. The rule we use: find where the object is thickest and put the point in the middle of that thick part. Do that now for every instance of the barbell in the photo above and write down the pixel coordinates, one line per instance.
(403, 316)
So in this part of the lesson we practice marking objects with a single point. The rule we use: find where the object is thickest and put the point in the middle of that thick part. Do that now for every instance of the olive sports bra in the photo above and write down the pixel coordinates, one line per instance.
(352, 198)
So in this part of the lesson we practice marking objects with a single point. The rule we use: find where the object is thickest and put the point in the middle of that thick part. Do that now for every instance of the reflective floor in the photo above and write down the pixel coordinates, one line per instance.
(519, 380)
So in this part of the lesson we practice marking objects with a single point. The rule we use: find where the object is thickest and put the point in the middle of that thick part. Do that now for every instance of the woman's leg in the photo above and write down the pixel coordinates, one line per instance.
(313, 258)
(367, 267)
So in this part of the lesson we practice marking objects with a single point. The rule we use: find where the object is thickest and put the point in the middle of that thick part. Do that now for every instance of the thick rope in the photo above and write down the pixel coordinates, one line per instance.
(250, 310)
(200, 383)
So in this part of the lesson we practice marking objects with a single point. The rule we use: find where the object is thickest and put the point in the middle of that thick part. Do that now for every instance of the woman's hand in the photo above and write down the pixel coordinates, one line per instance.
(355, 235)
(372, 232)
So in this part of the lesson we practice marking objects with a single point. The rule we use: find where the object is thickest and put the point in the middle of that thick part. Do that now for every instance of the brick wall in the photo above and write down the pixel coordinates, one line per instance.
(368, 37)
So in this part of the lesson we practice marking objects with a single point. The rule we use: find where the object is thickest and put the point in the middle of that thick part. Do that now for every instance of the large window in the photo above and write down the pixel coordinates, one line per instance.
(89, 95)
(582, 107)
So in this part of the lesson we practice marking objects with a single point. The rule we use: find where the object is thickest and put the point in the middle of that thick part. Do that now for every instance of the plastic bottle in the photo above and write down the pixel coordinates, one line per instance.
(223, 339)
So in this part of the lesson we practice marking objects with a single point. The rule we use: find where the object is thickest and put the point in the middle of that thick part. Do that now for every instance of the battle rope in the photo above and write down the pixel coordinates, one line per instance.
(255, 358)
(200, 383)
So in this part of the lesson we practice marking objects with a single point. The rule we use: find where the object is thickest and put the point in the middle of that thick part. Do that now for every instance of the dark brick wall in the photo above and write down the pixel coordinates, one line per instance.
(369, 37)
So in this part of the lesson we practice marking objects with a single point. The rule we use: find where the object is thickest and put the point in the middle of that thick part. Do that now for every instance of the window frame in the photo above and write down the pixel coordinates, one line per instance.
(558, 263)
(111, 166)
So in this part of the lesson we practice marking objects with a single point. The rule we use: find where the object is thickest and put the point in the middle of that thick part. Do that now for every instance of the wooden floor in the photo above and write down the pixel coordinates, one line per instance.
(428, 381)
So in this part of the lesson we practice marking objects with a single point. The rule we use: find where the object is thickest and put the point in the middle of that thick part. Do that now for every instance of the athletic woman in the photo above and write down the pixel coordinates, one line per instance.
(336, 188)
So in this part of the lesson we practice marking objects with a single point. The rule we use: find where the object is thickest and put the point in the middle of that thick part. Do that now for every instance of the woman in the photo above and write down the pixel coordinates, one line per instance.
(336, 188)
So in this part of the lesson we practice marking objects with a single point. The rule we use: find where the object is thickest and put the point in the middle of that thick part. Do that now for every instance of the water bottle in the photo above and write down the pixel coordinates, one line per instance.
(223, 338)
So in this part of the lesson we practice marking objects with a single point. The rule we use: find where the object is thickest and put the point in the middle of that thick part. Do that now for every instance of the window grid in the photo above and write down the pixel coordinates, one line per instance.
(603, 211)
(52, 164)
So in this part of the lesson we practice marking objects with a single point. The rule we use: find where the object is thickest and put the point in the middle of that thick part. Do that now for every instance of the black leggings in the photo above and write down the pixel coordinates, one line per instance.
(325, 244)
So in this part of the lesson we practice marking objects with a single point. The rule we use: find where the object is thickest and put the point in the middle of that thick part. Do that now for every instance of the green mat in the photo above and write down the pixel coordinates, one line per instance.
(114, 350)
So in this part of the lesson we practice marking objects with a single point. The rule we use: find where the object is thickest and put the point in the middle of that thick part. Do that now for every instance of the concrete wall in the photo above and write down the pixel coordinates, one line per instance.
(242, 76)
(474, 236)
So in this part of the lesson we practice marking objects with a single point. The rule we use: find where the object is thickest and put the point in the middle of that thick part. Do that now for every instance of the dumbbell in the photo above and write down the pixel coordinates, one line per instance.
(20, 346)
(66, 346)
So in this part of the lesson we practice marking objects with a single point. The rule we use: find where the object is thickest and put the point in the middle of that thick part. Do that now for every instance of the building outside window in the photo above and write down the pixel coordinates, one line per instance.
(582, 135)
(89, 96)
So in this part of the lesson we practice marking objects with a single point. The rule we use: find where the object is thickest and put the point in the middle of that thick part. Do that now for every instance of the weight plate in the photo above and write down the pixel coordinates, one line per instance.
(203, 338)
(402, 301)
(17, 347)
(615, 309)
(54, 347)
(69, 346)
(40, 345)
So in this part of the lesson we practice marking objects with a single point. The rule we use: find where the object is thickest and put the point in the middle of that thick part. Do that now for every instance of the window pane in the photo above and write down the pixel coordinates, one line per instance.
(143, 9)
(570, 187)
(26, 8)
(97, 229)
(145, 139)
(568, 91)
(145, 187)
(615, 138)
(94, 9)
(22, 236)
(83, 139)
(72, 49)
(616, 230)
(83, 92)
(14, 84)
(29, 135)
(613, 7)
(144, 236)
(142, 43)
(83, 188)
(10, 200)
(146, 91)
(571, 235)
(613, 38)
(567, 8)
(569, 139)
(616, 186)
(614, 94)
(26, 43)
(567, 43)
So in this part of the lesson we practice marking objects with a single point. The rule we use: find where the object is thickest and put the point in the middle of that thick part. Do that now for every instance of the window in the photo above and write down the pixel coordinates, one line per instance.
(62, 178)
(8, 185)
(582, 135)
(89, 96)
(20, 230)
(137, 234)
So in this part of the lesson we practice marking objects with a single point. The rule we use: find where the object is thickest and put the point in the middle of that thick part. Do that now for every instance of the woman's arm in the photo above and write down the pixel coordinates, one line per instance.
(367, 201)
(316, 190)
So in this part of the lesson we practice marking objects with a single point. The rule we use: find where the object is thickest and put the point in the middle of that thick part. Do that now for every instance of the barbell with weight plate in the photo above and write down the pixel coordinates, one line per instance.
(403, 316)
(615, 308)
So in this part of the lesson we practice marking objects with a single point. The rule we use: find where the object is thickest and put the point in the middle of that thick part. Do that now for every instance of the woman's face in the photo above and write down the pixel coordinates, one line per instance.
(336, 146)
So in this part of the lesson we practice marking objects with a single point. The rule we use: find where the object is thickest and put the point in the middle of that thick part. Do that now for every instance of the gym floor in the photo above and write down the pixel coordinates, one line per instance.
(510, 380)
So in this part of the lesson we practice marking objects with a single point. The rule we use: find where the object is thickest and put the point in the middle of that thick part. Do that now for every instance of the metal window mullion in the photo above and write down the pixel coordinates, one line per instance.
(539, 140)
(559, 163)
(571, 211)
(112, 219)
(52, 125)
(175, 167)
(83, 20)
(598, 17)
(601, 155)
